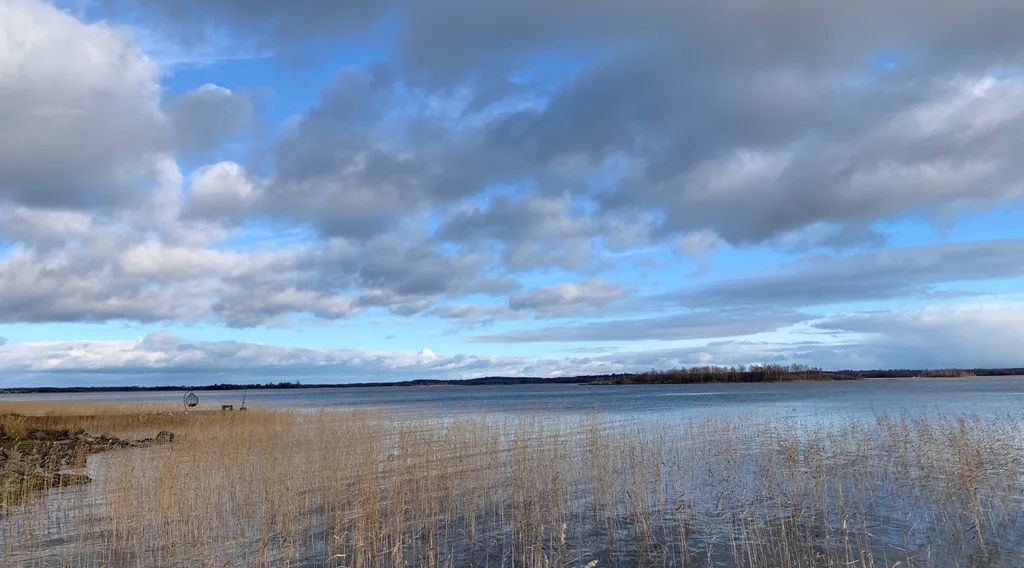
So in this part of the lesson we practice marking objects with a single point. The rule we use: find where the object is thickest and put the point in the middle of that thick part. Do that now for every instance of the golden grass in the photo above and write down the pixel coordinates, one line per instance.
(348, 488)
(120, 419)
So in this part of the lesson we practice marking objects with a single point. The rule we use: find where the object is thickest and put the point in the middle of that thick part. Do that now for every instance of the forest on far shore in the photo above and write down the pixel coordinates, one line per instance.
(682, 375)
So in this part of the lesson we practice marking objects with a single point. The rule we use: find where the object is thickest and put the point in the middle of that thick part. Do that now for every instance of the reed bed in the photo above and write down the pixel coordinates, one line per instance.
(96, 417)
(362, 489)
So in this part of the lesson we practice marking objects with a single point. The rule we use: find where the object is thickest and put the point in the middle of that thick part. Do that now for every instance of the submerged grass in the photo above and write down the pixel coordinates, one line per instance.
(361, 489)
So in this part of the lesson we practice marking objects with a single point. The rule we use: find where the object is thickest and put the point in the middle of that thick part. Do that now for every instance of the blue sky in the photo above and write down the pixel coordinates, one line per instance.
(393, 190)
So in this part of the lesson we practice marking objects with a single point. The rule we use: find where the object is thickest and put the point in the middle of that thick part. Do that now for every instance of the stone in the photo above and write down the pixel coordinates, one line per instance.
(165, 437)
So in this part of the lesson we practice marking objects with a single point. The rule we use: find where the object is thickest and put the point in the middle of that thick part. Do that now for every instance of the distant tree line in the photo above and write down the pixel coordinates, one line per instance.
(734, 374)
(683, 375)
(952, 372)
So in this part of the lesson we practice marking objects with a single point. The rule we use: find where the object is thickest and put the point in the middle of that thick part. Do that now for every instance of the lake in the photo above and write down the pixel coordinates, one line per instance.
(802, 400)
(793, 480)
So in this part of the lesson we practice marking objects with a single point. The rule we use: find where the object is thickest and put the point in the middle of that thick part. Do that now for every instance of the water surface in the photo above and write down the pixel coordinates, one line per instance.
(820, 399)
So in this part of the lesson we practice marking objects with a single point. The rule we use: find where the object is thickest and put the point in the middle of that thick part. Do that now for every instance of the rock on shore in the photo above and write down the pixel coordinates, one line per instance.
(37, 461)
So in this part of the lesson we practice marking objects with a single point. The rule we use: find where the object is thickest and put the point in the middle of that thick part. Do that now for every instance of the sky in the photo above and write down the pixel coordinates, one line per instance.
(371, 190)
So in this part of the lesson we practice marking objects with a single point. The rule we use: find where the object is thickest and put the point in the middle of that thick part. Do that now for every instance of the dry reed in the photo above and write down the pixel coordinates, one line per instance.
(349, 488)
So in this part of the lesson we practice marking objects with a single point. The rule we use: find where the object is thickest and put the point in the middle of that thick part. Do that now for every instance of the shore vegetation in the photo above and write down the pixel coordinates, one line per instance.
(365, 489)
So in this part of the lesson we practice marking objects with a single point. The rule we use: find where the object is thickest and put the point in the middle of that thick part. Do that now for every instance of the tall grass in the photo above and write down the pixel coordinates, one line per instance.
(360, 489)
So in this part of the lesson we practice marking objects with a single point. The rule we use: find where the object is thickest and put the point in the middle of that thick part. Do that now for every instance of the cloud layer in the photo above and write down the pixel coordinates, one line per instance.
(712, 177)
(977, 335)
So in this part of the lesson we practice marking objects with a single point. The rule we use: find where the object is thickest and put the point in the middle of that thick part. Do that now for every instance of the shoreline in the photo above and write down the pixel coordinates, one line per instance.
(656, 378)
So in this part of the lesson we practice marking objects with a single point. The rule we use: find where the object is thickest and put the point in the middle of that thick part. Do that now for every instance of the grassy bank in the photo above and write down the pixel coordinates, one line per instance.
(358, 489)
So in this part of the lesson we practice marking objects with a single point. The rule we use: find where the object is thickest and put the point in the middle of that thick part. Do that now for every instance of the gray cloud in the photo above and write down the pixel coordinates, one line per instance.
(44, 227)
(695, 325)
(893, 273)
(818, 116)
(207, 116)
(84, 268)
(969, 335)
(563, 134)
(931, 337)
(907, 158)
(754, 153)
(529, 232)
(566, 299)
(473, 315)
(397, 269)
(342, 277)
(263, 21)
(372, 152)
(110, 278)
(944, 33)
(79, 111)
(167, 358)
(517, 219)
(223, 192)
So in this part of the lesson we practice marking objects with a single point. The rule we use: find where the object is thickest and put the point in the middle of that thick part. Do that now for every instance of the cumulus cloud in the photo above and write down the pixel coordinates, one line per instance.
(79, 111)
(208, 115)
(516, 219)
(948, 33)
(223, 191)
(370, 152)
(473, 314)
(970, 335)
(44, 227)
(936, 336)
(820, 118)
(529, 232)
(944, 149)
(693, 325)
(564, 299)
(162, 351)
(897, 272)
(111, 276)
(91, 282)
(400, 272)
(567, 144)
(819, 115)
(174, 360)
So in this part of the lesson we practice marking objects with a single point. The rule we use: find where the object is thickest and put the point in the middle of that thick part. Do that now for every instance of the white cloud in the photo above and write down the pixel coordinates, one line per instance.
(970, 335)
(437, 184)
(571, 298)
(79, 110)
(985, 334)
(152, 357)
(223, 191)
